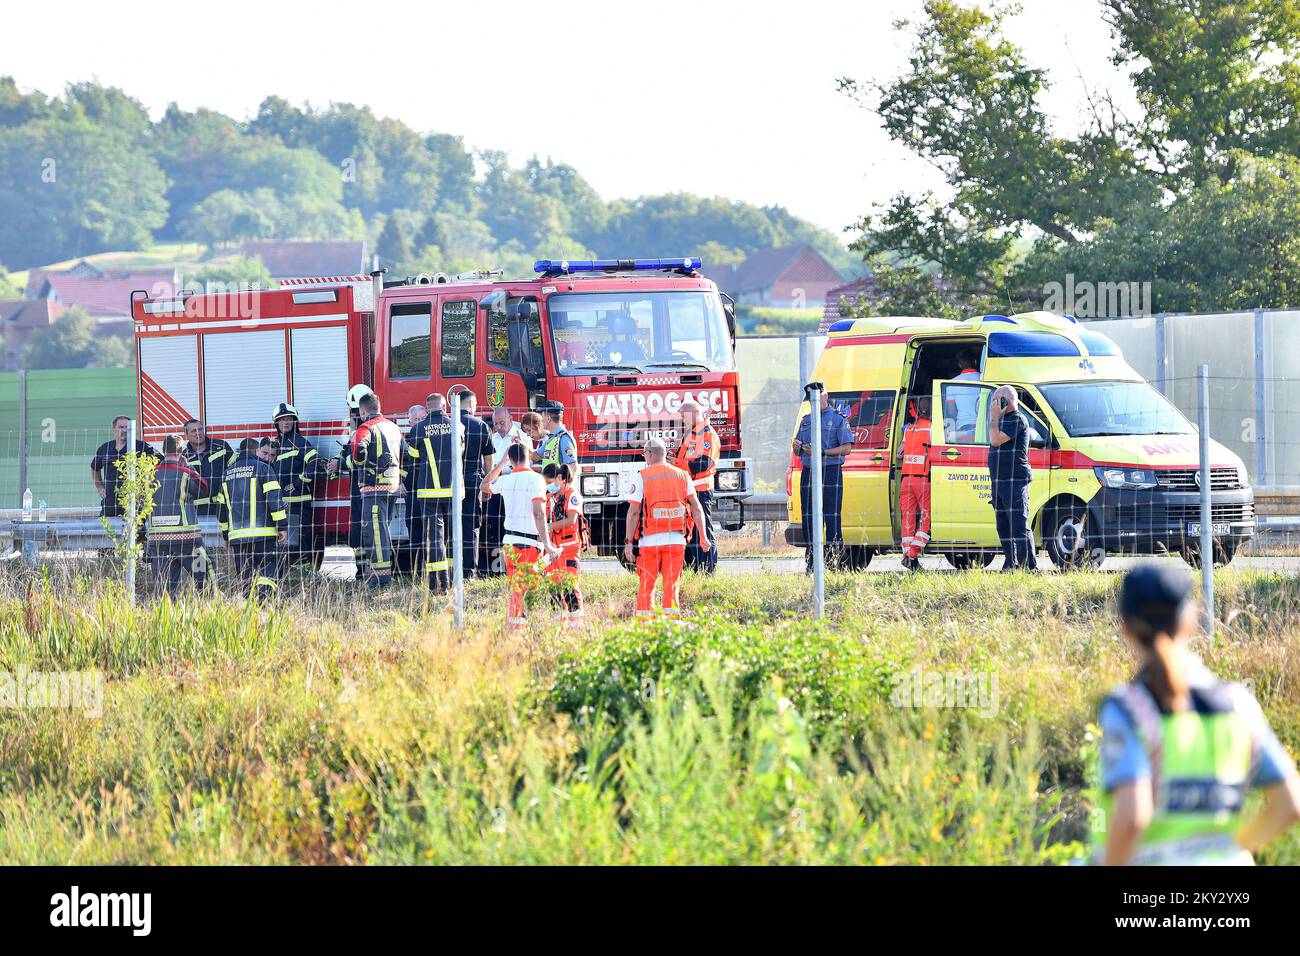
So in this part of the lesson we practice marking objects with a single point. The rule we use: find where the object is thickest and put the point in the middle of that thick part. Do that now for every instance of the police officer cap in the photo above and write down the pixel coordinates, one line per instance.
(556, 407)
(1154, 591)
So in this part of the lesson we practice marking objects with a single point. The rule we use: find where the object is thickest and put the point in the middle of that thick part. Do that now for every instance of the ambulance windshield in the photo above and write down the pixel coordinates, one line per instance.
(1091, 409)
(639, 331)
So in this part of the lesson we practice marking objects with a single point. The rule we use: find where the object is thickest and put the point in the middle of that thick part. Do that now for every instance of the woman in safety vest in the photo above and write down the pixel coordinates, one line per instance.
(564, 515)
(915, 493)
(1181, 748)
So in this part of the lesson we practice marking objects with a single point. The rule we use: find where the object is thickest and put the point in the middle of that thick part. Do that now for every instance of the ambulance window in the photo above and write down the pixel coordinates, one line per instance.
(408, 340)
(965, 413)
(869, 414)
(457, 338)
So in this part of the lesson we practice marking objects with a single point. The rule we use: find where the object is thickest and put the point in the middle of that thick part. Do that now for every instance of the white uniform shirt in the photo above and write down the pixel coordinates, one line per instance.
(518, 491)
(501, 442)
(664, 537)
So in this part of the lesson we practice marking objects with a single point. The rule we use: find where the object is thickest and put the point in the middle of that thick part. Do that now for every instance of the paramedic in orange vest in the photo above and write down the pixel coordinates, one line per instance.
(525, 537)
(698, 456)
(916, 485)
(661, 504)
(564, 511)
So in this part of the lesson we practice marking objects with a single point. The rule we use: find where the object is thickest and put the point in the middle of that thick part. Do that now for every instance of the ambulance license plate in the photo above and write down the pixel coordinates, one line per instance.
(1218, 529)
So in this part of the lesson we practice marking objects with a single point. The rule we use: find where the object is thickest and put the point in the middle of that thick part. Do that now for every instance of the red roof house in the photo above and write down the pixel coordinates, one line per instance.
(786, 277)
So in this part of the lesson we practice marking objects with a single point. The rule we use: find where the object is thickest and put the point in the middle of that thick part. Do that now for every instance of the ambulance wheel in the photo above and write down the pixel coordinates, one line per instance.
(857, 557)
(1224, 552)
(965, 560)
(1065, 529)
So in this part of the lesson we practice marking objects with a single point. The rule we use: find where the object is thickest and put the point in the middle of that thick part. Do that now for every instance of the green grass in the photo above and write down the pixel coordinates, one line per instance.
(331, 731)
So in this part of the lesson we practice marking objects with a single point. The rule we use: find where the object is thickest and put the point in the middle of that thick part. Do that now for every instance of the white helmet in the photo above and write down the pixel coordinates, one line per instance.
(282, 410)
(356, 393)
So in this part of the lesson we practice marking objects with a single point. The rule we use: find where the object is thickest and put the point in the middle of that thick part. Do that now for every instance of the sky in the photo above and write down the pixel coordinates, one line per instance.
(716, 98)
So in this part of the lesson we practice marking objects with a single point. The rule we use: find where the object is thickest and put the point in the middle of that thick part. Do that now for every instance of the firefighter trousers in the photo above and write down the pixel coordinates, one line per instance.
(659, 561)
(169, 558)
(429, 528)
(376, 540)
(914, 497)
(255, 566)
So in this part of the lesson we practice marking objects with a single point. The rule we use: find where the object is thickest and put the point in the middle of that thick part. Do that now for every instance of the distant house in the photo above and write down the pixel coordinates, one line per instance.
(19, 318)
(851, 293)
(785, 277)
(105, 294)
(286, 260)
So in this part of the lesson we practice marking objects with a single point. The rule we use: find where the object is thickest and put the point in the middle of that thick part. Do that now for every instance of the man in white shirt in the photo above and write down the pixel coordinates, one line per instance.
(525, 538)
(964, 407)
(505, 432)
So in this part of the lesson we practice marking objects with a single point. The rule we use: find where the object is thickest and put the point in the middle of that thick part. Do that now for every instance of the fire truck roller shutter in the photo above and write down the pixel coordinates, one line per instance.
(243, 379)
(169, 389)
(320, 376)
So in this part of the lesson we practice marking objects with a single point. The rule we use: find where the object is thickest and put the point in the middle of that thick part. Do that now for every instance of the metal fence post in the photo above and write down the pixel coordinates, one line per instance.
(130, 518)
(457, 509)
(814, 392)
(1162, 355)
(1261, 405)
(802, 344)
(22, 434)
(1207, 525)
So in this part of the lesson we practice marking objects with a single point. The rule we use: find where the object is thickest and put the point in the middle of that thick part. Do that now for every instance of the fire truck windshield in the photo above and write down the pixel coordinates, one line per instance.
(638, 331)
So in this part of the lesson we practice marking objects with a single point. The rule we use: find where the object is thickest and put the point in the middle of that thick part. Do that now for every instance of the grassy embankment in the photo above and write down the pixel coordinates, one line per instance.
(325, 733)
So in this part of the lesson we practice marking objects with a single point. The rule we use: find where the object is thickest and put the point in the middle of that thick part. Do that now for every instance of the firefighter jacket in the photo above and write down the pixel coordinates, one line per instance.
(561, 505)
(431, 454)
(297, 467)
(916, 448)
(250, 500)
(698, 455)
(174, 516)
(211, 465)
(377, 455)
(665, 501)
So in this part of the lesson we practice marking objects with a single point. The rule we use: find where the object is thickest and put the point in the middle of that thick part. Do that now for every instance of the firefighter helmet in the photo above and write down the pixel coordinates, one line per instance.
(284, 409)
(356, 393)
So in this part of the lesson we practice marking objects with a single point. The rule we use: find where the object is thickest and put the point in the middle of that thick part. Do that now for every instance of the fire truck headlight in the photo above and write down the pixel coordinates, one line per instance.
(595, 486)
(731, 480)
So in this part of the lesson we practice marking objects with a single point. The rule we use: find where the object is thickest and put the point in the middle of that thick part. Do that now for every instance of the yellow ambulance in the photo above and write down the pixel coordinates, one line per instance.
(1115, 464)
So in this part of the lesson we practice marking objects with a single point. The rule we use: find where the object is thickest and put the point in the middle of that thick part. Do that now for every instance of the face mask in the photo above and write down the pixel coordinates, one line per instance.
(553, 487)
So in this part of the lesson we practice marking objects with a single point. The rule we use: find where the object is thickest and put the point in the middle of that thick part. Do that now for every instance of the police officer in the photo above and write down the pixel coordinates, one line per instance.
(1010, 475)
(698, 455)
(431, 456)
(477, 462)
(209, 457)
(377, 454)
(297, 465)
(252, 516)
(342, 465)
(558, 447)
(837, 442)
(172, 533)
(1180, 748)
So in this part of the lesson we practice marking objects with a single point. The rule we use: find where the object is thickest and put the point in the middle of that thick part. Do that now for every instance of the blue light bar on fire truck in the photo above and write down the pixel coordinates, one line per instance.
(565, 266)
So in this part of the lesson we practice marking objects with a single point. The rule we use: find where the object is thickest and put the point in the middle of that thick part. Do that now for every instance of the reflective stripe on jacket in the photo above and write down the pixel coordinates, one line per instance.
(377, 454)
(250, 499)
(174, 514)
(701, 443)
(211, 465)
(430, 447)
(916, 448)
(298, 464)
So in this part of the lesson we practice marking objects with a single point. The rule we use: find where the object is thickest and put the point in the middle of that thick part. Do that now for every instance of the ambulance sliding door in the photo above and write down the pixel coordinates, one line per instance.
(961, 495)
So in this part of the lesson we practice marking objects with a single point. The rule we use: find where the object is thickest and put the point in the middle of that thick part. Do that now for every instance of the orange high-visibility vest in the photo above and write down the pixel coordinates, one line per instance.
(559, 504)
(916, 448)
(664, 506)
(701, 442)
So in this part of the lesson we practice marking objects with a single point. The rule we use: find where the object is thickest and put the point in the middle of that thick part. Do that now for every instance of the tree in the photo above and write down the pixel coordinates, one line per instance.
(393, 246)
(71, 342)
(241, 272)
(8, 288)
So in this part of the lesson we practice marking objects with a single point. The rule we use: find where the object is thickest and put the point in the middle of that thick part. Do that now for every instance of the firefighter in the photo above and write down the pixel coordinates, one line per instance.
(342, 464)
(173, 533)
(915, 492)
(1181, 748)
(526, 538)
(252, 516)
(477, 449)
(567, 527)
(661, 506)
(431, 456)
(209, 457)
(697, 455)
(377, 452)
(297, 465)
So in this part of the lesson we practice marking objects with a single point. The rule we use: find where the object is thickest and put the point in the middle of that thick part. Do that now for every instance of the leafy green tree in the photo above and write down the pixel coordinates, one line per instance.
(393, 244)
(71, 342)
(8, 288)
(240, 272)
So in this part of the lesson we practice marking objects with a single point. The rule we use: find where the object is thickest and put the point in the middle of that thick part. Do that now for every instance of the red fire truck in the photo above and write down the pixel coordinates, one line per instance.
(621, 343)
